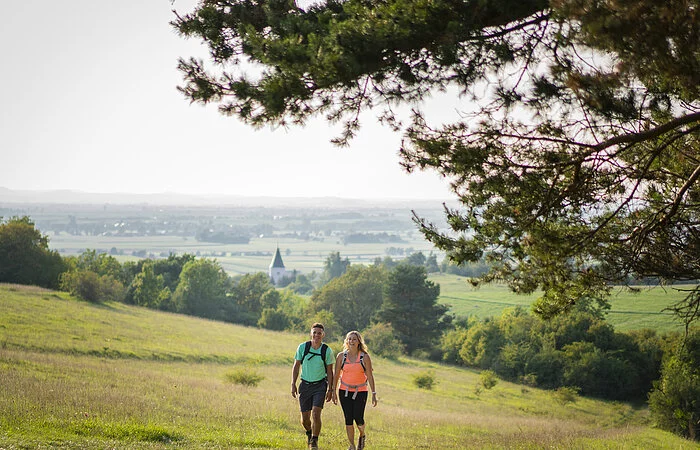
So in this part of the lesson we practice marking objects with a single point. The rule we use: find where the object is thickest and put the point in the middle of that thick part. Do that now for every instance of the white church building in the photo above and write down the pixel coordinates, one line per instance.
(277, 270)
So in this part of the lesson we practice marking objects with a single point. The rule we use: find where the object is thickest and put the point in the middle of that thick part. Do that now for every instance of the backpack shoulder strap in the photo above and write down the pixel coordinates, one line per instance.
(345, 358)
(362, 361)
(307, 348)
(324, 350)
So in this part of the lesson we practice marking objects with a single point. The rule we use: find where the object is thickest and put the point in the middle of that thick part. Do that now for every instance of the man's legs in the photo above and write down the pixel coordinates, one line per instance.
(316, 421)
(306, 423)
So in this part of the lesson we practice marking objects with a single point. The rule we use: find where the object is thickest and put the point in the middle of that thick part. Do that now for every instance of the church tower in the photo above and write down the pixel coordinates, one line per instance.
(277, 270)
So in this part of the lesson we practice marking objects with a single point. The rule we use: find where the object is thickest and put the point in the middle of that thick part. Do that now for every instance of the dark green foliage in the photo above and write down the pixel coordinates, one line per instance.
(334, 266)
(675, 400)
(381, 340)
(274, 319)
(354, 298)
(577, 349)
(410, 306)
(25, 257)
(424, 380)
(202, 290)
(169, 269)
(547, 368)
(483, 344)
(99, 263)
(247, 294)
(148, 289)
(577, 167)
(92, 287)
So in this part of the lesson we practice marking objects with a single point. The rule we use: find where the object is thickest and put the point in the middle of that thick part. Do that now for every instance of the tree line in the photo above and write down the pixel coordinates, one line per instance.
(396, 307)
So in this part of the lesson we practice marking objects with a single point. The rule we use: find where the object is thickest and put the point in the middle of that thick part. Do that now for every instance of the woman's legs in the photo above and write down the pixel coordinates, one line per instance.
(350, 430)
(354, 412)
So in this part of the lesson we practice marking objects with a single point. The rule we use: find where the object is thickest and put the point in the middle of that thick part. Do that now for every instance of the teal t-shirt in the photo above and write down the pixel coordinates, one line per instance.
(313, 367)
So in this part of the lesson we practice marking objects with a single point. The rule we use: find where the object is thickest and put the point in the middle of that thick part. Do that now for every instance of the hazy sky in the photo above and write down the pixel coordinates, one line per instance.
(89, 102)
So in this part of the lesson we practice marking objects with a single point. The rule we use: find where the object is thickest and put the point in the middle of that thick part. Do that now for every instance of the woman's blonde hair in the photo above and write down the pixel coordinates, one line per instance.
(361, 346)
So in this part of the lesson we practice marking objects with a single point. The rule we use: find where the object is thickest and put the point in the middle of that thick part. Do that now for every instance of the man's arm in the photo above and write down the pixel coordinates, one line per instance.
(295, 375)
(329, 374)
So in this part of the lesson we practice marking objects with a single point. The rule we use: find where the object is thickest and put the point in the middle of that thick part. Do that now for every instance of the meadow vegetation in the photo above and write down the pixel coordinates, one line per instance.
(82, 375)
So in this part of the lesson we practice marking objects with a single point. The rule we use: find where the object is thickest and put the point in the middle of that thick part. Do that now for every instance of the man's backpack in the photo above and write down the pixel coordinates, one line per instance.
(307, 350)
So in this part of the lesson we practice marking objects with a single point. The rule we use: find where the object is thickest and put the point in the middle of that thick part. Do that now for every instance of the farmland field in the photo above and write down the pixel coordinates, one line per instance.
(247, 235)
(304, 256)
(629, 310)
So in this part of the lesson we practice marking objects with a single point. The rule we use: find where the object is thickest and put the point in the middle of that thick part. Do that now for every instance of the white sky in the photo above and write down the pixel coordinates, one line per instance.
(88, 102)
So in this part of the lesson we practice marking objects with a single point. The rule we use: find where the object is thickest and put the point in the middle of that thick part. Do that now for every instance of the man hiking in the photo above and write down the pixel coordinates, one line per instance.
(316, 361)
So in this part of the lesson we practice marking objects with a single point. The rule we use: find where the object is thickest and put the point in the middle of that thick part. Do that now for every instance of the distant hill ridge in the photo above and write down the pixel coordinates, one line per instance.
(64, 196)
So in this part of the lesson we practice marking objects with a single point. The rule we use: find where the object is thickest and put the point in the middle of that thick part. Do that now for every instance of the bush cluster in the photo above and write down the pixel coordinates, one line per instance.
(579, 349)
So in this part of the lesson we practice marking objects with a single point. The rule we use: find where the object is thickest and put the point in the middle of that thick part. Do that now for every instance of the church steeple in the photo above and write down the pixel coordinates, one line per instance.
(277, 270)
(277, 260)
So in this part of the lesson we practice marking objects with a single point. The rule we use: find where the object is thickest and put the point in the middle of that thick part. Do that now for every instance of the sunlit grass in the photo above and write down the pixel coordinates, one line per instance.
(55, 397)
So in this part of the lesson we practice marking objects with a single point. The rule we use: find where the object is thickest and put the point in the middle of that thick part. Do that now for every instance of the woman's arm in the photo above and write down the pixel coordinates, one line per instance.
(370, 378)
(336, 377)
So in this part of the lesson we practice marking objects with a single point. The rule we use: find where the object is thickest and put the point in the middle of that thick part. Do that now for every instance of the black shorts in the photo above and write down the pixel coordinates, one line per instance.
(312, 394)
(353, 409)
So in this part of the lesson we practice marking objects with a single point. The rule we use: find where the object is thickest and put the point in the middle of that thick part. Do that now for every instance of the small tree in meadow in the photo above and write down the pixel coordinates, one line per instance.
(424, 380)
(488, 379)
(244, 377)
(566, 394)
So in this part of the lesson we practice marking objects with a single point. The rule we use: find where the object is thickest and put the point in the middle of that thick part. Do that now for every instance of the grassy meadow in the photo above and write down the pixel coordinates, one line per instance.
(80, 375)
(629, 310)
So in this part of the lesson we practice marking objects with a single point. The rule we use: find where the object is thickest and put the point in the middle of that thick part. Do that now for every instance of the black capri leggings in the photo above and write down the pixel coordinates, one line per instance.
(353, 409)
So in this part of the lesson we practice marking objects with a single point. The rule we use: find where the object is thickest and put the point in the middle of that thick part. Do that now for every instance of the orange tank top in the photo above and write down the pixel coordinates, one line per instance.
(352, 375)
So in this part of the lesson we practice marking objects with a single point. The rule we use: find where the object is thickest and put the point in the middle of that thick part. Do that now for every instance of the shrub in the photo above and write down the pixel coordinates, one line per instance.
(451, 343)
(488, 379)
(424, 380)
(273, 319)
(245, 377)
(92, 287)
(380, 340)
(529, 380)
(565, 395)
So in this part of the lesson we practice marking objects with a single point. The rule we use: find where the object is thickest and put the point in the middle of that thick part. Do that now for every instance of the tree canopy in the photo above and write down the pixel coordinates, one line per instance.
(25, 257)
(410, 305)
(577, 162)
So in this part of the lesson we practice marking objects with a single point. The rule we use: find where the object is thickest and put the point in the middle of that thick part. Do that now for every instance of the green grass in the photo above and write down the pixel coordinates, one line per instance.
(629, 310)
(78, 375)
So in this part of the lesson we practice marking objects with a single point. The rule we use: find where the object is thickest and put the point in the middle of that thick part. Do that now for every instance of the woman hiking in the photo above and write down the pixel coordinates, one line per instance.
(353, 371)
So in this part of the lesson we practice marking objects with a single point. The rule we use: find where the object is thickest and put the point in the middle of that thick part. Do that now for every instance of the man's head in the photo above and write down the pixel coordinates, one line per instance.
(317, 332)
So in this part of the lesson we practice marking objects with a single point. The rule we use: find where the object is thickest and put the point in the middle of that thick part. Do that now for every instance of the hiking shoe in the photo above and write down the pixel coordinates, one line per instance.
(314, 443)
(361, 442)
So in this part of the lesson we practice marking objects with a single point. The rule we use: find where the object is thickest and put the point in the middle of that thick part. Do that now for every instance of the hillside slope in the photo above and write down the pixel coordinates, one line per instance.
(79, 375)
